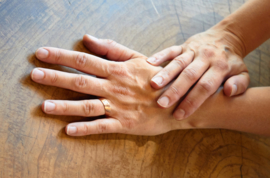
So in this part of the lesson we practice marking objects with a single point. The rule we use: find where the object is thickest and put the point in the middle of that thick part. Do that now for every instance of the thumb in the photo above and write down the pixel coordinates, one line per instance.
(109, 48)
(236, 84)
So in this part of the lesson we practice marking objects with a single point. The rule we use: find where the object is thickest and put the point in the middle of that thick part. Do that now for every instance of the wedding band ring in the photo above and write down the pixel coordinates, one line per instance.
(106, 105)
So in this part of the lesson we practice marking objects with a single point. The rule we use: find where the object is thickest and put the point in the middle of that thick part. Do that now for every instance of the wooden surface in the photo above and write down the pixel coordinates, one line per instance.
(33, 144)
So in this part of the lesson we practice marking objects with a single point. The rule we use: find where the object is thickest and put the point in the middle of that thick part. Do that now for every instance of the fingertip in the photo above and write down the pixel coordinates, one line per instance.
(179, 114)
(227, 89)
(66, 129)
(49, 106)
(234, 90)
(152, 60)
(88, 39)
(154, 85)
(42, 53)
(85, 37)
(31, 74)
(164, 102)
(71, 130)
(157, 81)
(236, 85)
(43, 106)
(37, 74)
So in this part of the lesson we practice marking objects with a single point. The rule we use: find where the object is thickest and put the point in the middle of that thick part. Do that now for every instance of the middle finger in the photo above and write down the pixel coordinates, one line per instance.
(80, 83)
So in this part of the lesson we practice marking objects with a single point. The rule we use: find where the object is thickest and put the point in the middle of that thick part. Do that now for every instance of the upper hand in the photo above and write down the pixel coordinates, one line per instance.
(204, 61)
(126, 85)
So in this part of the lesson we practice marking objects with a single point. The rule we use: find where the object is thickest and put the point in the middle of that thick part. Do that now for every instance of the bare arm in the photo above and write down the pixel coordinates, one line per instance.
(249, 112)
(211, 57)
(250, 24)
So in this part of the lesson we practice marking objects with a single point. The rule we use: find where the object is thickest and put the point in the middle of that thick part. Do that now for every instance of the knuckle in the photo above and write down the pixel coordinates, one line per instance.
(180, 62)
(80, 60)
(129, 124)
(190, 74)
(102, 127)
(117, 69)
(122, 53)
(54, 77)
(110, 42)
(221, 65)
(85, 129)
(158, 55)
(120, 90)
(65, 107)
(191, 103)
(207, 52)
(161, 54)
(88, 108)
(175, 90)
(166, 74)
(58, 56)
(80, 82)
(206, 85)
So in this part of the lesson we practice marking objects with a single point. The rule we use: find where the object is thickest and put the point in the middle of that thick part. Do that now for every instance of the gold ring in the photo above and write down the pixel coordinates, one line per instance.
(106, 105)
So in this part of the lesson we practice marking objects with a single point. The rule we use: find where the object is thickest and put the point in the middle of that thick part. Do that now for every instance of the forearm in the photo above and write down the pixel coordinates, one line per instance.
(250, 24)
(249, 112)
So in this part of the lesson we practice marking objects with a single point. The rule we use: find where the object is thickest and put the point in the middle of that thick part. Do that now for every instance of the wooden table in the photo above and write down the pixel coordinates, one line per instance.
(33, 144)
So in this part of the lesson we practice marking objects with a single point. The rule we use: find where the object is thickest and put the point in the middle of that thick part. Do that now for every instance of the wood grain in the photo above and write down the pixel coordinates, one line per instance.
(33, 144)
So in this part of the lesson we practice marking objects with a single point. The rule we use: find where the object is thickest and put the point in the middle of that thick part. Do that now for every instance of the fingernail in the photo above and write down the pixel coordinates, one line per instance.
(234, 90)
(92, 37)
(71, 130)
(164, 101)
(158, 80)
(179, 114)
(152, 60)
(49, 106)
(42, 53)
(37, 74)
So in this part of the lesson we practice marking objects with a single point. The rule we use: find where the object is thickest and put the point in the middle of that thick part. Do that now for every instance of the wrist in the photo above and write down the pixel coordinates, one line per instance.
(211, 114)
(230, 35)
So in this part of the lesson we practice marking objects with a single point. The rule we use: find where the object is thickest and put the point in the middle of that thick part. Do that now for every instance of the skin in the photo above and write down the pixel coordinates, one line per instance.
(126, 86)
(208, 59)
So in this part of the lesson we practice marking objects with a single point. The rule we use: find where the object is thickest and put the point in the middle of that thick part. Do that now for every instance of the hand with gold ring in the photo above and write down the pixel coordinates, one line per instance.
(107, 106)
(127, 98)
(129, 103)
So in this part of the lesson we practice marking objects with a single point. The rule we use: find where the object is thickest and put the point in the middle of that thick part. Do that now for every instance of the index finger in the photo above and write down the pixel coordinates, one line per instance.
(84, 62)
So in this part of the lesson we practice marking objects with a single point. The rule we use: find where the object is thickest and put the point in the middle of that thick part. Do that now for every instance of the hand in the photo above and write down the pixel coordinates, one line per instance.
(204, 61)
(126, 85)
